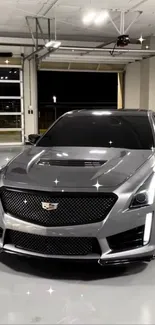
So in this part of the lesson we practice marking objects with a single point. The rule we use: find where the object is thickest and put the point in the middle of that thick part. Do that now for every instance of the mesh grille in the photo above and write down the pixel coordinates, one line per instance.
(53, 245)
(73, 209)
(127, 240)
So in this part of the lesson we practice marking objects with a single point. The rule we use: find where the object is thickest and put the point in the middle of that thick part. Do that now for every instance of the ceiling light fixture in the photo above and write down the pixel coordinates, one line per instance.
(89, 18)
(54, 44)
(7, 61)
(102, 17)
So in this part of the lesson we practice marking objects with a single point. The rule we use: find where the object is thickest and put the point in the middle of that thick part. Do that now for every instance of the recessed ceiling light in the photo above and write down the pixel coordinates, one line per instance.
(89, 18)
(102, 17)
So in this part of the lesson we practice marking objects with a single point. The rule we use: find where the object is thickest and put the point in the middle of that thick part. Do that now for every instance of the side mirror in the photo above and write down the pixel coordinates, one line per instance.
(33, 138)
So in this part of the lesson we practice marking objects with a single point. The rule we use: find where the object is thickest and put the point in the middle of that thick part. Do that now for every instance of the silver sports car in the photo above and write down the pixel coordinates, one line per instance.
(84, 190)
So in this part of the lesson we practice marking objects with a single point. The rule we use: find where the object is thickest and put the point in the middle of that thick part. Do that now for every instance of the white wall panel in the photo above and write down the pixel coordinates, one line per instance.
(132, 86)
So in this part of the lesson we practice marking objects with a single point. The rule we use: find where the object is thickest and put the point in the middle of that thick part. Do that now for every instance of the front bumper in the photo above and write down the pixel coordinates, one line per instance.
(106, 255)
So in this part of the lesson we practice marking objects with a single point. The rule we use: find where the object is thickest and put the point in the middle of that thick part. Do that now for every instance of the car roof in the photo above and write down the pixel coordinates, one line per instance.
(120, 112)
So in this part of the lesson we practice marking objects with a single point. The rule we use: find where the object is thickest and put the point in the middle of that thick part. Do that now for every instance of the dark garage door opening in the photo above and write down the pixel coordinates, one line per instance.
(59, 92)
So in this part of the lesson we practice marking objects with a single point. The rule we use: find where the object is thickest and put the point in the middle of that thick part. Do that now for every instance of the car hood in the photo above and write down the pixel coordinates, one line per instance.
(58, 168)
(7, 153)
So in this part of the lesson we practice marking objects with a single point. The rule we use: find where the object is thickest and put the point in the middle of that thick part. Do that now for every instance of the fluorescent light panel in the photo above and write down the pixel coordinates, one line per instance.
(101, 18)
(54, 44)
(89, 18)
(96, 18)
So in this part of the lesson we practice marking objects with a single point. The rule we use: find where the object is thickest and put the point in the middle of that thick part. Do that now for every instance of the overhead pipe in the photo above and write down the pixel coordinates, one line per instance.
(94, 49)
(17, 44)
(31, 32)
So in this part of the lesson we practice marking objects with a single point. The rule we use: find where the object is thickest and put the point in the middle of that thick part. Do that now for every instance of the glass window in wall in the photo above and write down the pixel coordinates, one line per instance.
(10, 136)
(10, 121)
(10, 105)
(9, 74)
(9, 89)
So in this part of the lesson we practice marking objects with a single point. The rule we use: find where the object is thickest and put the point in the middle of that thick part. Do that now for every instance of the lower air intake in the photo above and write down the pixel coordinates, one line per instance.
(127, 240)
(68, 246)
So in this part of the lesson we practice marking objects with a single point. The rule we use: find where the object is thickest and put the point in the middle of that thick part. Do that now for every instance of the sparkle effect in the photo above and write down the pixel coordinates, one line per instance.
(56, 182)
(28, 293)
(97, 185)
(50, 291)
(141, 39)
(25, 201)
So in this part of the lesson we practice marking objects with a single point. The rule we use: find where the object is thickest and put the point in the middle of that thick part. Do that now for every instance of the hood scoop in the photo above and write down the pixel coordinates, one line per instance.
(71, 163)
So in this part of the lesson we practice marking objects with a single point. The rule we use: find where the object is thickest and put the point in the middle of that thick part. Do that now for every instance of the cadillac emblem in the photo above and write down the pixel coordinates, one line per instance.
(49, 206)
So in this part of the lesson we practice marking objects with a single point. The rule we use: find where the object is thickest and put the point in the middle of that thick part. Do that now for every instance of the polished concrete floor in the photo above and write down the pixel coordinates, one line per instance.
(36, 291)
(47, 292)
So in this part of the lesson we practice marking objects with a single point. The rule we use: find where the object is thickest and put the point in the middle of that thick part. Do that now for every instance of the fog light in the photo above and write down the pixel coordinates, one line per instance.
(147, 231)
(141, 198)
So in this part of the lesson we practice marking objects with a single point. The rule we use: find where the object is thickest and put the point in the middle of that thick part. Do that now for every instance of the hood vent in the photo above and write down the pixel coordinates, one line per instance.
(72, 163)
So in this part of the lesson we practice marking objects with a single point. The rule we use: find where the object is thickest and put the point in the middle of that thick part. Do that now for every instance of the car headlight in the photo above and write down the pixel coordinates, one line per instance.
(145, 195)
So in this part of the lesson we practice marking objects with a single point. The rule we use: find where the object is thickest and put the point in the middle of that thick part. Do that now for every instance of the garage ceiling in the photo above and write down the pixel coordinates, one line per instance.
(69, 15)
(72, 32)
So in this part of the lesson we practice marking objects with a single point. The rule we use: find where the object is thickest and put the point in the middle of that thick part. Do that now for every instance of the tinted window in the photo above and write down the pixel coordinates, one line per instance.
(133, 132)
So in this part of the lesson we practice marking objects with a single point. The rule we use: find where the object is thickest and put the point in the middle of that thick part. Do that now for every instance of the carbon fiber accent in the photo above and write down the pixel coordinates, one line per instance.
(73, 209)
(52, 245)
(127, 240)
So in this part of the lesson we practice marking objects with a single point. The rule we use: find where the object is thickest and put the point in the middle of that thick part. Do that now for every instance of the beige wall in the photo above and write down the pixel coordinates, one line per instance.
(144, 84)
(140, 84)
(132, 85)
(152, 84)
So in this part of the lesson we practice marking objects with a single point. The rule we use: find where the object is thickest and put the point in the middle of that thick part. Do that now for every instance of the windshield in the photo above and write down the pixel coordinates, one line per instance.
(122, 131)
